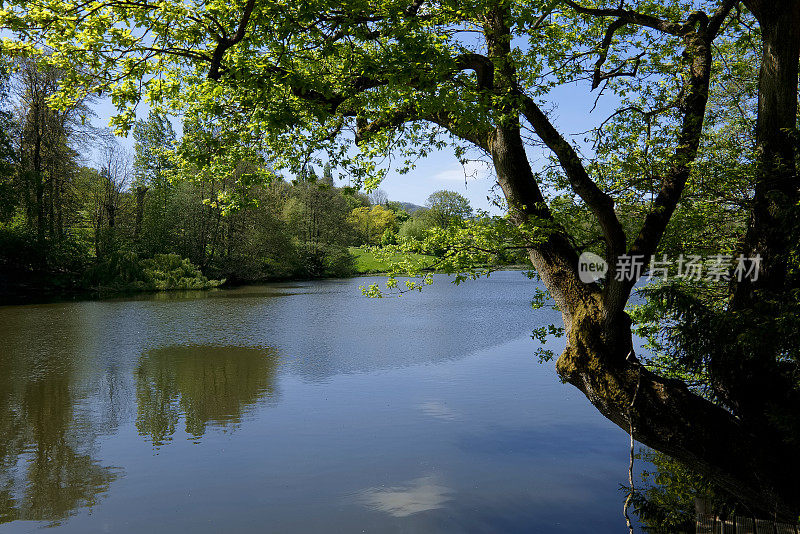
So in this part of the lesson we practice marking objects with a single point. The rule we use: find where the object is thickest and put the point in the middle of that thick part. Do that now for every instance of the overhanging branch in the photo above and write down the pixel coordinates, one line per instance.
(601, 204)
(226, 42)
(711, 25)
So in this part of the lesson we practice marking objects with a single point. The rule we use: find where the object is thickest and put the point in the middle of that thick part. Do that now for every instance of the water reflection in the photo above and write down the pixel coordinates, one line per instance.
(667, 497)
(439, 410)
(47, 467)
(418, 495)
(427, 414)
(207, 385)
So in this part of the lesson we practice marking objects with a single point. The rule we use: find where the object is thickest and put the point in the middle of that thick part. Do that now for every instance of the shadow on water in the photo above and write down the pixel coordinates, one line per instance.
(205, 385)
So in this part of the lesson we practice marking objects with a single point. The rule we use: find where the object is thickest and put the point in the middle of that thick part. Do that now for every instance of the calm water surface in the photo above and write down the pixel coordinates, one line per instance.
(299, 408)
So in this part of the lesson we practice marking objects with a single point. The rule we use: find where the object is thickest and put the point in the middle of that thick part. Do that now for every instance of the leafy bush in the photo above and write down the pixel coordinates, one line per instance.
(414, 228)
(389, 237)
(169, 271)
(71, 253)
(124, 271)
(18, 250)
(29, 266)
(338, 262)
(326, 261)
(119, 270)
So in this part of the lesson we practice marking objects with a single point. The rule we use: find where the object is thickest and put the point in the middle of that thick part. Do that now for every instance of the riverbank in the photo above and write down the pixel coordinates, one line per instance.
(367, 262)
(37, 287)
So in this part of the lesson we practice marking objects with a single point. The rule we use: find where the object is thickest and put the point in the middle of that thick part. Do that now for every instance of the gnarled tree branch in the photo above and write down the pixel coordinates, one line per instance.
(225, 42)
(601, 204)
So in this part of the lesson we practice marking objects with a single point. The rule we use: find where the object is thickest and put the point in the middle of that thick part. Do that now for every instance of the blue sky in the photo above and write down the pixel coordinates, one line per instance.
(572, 114)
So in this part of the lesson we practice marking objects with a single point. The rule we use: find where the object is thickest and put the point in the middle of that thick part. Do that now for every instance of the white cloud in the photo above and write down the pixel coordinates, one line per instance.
(472, 170)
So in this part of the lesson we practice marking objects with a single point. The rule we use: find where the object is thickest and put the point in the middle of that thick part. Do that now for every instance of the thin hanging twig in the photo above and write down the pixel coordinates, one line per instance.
(630, 464)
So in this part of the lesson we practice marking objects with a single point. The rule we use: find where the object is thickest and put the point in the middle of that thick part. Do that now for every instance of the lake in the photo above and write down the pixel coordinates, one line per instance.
(301, 407)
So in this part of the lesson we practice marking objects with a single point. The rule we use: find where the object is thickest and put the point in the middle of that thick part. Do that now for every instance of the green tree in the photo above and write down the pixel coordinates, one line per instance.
(318, 217)
(414, 228)
(154, 139)
(327, 174)
(8, 193)
(298, 78)
(399, 211)
(371, 223)
(446, 207)
(47, 159)
(107, 197)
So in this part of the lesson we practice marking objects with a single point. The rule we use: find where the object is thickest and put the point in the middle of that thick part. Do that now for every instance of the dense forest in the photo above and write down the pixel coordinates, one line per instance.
(79, 212)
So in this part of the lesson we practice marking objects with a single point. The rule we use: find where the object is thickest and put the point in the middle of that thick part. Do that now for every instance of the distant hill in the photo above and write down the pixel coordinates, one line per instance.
(411, 208)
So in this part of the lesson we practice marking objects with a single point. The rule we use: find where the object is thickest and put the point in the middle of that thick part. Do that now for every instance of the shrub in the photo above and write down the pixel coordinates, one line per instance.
(169, 271)
(123, 271)
(339, 262)
(414, 228)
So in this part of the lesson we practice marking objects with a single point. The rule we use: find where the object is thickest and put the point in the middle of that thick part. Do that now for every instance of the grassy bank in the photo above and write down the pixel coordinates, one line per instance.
(367, 263)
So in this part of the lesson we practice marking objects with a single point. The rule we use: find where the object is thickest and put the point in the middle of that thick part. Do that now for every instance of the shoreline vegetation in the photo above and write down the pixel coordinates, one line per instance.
(80, 222)
(47, 287)
(83, 217)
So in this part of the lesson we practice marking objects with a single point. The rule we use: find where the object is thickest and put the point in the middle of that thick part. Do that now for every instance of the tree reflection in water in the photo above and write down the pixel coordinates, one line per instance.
(667, 499)
(47, 469)
(207, 385)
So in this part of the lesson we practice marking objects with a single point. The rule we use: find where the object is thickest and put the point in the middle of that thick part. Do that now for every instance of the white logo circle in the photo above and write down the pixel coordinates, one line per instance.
(591, 267)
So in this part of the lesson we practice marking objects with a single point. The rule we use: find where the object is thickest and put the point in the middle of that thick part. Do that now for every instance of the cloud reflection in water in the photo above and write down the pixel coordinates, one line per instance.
(415, 496)
(439, 410)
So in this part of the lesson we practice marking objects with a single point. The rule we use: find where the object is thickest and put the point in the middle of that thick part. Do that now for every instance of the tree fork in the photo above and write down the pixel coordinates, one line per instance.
(666, 415)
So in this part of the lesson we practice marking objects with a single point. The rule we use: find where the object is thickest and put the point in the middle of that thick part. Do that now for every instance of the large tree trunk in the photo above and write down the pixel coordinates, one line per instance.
(776, 187)
(37, 171)
(665, 415)
(756, 384)
(661, 413)
(743, 453)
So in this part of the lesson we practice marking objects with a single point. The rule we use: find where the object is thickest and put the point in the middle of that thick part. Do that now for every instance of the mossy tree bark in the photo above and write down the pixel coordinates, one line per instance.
(740, 451)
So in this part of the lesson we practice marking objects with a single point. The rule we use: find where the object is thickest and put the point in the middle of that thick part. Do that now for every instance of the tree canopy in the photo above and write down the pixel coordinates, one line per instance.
(446, 206)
